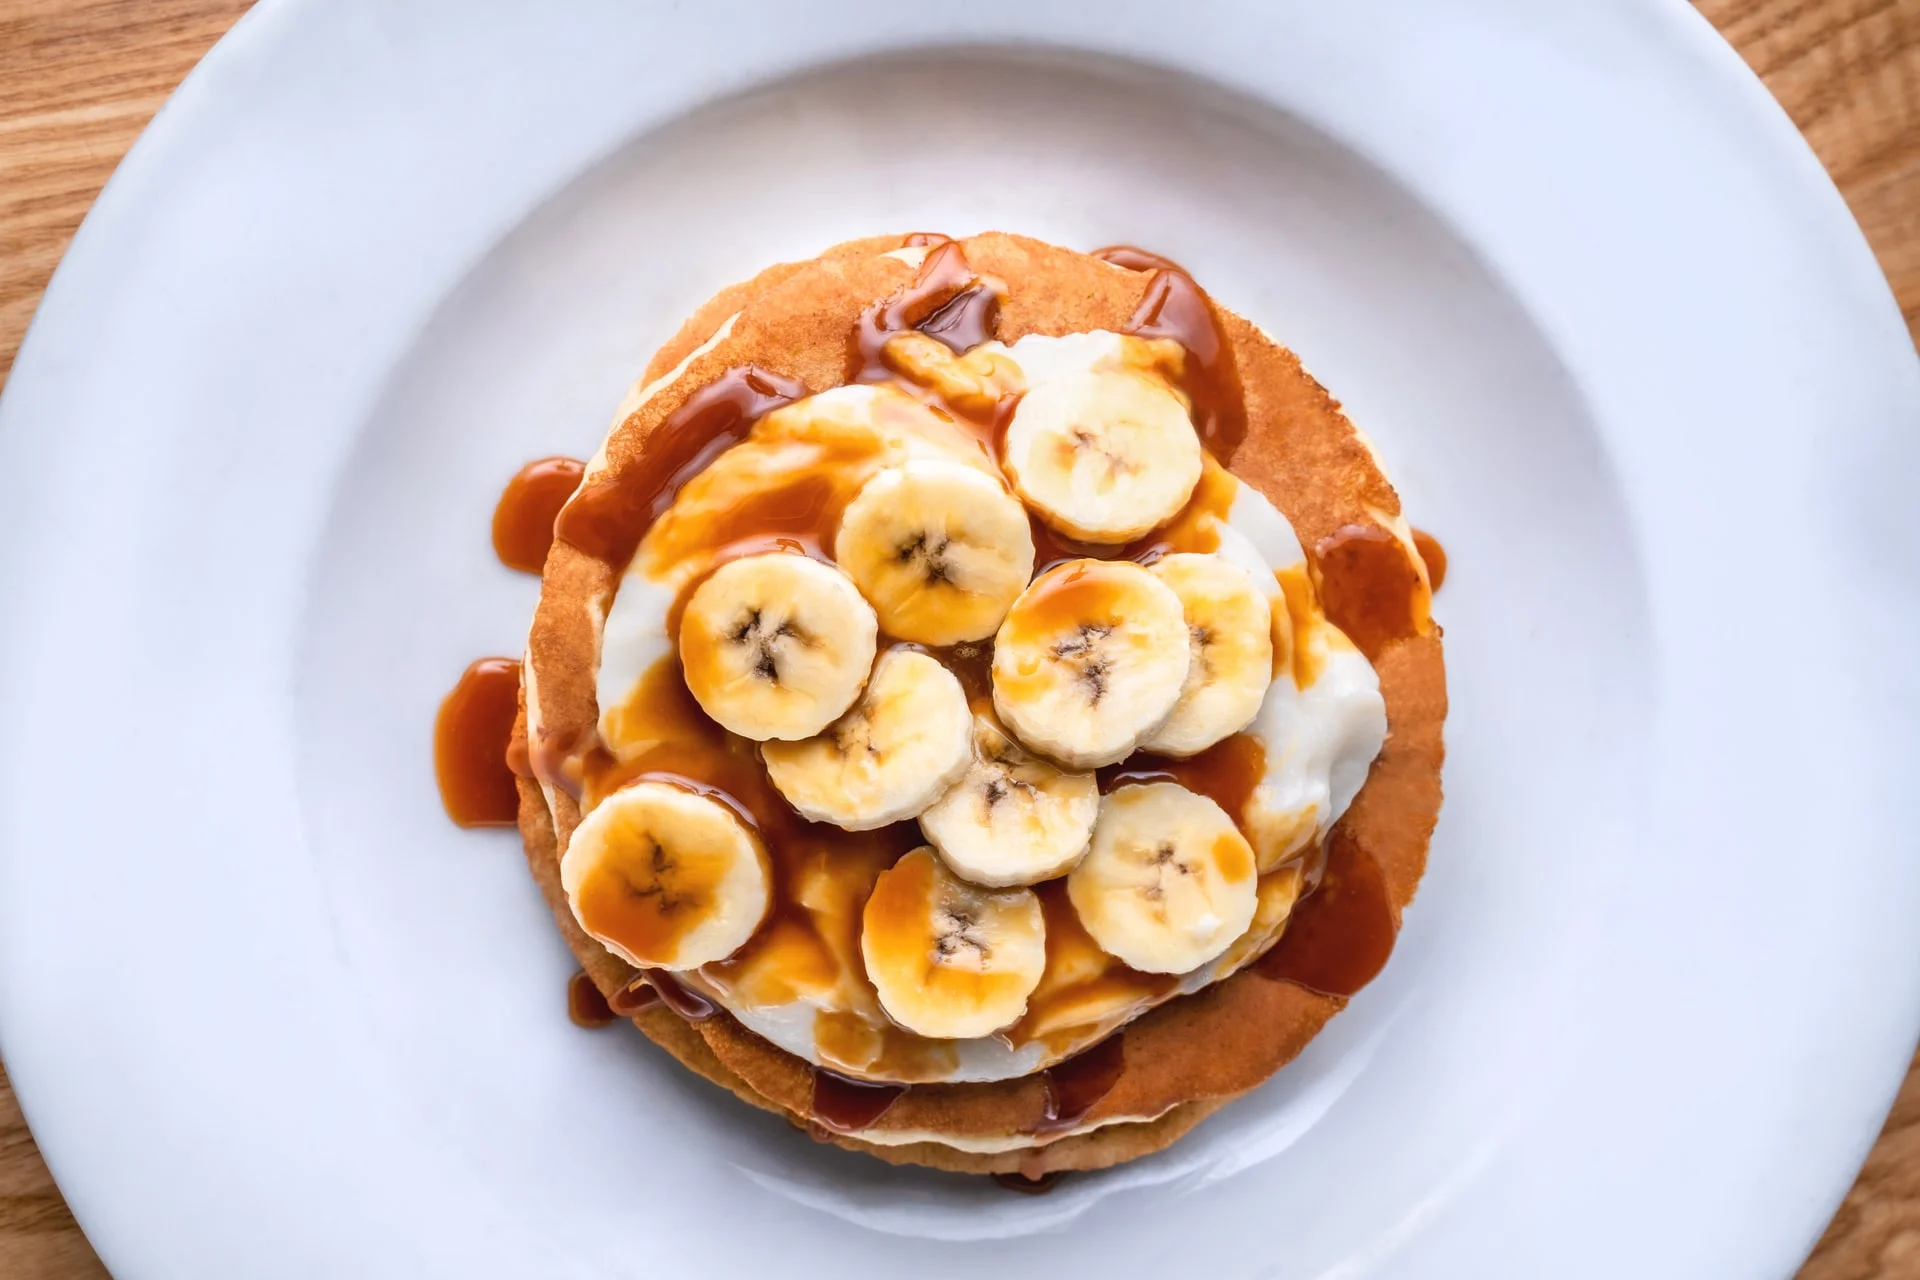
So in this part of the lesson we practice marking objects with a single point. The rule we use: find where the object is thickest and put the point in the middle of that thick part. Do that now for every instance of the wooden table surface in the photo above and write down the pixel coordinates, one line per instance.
(79, 79)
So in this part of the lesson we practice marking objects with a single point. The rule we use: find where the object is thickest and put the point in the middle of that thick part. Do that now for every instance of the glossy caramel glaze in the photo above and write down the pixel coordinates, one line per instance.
(470, 738)
(1370, 587)
(1076, 1086)
(1343, 931)
(609, 515)
(1177, 308)
(946, 301)
(585, 1005)
(638, 994)
(1081, 983)
(1433, 555)
(1226, 772)
(842, 1105)
(821, 874)
(523, 519)
(657, 986)
(1030, 1186)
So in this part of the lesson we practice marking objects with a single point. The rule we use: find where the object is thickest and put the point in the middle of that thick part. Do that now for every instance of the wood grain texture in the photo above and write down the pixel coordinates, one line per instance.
(79, 79)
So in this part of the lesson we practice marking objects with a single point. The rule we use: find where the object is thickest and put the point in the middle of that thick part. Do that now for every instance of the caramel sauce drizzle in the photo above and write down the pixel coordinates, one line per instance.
(470, 737)
(1026, 1186)
(609, 516)
(585, 1005)
(844, 1105)
(1342, 930)
(1177, 308)
(523, 520)
(946, 301)
(638, 994)
(794, 944)
(657, 986)
(1433, 555)
(1370, 587)
(1075, 1087)
(1226, 772)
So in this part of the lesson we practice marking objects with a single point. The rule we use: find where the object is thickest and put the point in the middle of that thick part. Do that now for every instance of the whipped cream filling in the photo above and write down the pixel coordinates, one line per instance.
(1320, 725)
(1320, 736)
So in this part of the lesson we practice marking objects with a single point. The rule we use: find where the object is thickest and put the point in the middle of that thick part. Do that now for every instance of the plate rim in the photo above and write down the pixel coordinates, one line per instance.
(35, 1067)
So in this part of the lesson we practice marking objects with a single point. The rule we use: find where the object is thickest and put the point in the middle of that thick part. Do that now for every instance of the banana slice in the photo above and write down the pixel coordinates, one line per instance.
(1103, 456)
(948, 959)
(1091, 658)
(776, 645)
(1012, 818)
(665, 878)
(904, 743)
(940, 548)
(1168, 882)
(1230, 643)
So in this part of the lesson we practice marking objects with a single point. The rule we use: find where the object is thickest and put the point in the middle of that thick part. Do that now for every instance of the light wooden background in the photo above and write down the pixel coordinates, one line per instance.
(79, 79)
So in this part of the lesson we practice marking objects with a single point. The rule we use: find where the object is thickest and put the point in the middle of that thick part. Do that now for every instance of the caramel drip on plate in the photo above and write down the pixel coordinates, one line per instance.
(609, 516)
(470, 737)
(585, 1005)
(523, 519)
(1433, 555)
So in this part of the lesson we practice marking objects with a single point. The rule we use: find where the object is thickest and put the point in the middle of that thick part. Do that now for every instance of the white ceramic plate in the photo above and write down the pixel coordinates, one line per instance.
(1620, 343)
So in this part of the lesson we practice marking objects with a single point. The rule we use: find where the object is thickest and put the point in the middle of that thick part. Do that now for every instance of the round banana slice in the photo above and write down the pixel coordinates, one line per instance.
(948, 959)
(1230, 651)
(1168, 882)
(665, 878)
(939, 547)
(1091, 658)
(1103, 456)
(904, 743)
(776, 645)
(1013, 818)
